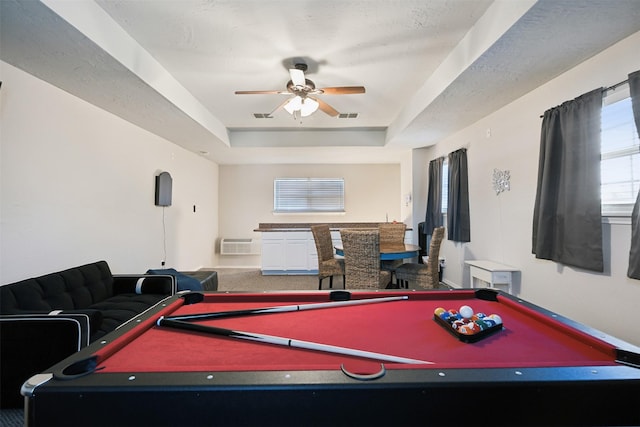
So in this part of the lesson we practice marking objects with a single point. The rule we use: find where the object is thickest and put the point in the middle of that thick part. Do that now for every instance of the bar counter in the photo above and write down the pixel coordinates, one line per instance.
(302, 226)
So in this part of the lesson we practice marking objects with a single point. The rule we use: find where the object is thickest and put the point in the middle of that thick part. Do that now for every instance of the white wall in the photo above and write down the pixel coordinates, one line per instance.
(372, 191)
(501, 225)
(77, 186)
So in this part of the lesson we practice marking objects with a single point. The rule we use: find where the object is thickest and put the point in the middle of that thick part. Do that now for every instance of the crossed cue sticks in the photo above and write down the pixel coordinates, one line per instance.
(185, 323)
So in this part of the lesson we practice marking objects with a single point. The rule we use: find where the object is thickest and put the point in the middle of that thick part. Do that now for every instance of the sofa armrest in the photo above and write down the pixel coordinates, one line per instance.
(31, 343)
(164, 284)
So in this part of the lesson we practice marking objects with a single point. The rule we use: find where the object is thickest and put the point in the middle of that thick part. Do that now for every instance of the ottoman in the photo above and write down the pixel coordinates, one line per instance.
(209, 279)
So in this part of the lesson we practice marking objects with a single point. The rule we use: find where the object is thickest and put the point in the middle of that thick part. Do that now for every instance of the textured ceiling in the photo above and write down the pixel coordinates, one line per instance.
(429, 68)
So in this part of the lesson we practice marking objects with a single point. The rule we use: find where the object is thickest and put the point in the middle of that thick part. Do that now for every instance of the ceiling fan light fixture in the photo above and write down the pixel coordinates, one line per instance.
(293, 105)
(308, 107)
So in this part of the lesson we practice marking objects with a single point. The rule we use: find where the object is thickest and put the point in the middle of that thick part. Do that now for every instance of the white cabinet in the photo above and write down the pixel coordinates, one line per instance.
(491, 272)
(273, 245)
(290, 252)
(296, 254)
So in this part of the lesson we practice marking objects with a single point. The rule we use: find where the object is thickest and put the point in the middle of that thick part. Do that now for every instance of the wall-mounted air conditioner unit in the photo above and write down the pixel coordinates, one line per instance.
(239, 247)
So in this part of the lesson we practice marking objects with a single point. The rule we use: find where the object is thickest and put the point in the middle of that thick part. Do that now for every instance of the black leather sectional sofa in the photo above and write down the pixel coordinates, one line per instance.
(47, 318)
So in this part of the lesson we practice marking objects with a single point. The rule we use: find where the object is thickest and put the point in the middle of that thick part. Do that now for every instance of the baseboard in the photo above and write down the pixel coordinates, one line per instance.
(289, 272)
(451, 284)
(236, 266)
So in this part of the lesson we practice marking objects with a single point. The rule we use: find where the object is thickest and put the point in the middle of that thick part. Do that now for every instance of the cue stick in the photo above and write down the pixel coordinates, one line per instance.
(287, 342)
(284, 308)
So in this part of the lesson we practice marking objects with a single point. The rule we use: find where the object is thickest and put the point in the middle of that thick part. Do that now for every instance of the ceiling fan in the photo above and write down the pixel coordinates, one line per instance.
(304, 101)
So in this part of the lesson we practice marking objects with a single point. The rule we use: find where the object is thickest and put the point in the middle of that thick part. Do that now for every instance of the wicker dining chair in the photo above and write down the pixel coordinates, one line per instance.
(328, 264)
(362, 259)
(424, 275)
(391, 233)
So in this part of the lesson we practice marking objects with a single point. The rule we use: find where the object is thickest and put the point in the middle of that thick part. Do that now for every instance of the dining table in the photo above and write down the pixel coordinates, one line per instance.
(390, 251)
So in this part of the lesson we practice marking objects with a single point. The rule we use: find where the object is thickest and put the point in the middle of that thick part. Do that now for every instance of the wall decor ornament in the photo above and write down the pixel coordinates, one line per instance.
(501, 181)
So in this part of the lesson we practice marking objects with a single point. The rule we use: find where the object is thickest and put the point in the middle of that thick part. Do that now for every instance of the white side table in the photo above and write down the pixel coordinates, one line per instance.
(491, 272)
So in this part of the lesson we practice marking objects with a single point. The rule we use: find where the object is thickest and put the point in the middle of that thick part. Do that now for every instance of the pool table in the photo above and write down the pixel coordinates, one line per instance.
(538, 368)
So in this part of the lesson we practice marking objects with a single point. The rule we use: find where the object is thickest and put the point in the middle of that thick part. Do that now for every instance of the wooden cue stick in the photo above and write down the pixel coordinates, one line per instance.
(287, 342)
(283, 308)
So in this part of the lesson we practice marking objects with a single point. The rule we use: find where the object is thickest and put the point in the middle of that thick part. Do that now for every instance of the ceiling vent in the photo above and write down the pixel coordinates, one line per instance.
(262, 115)
(348, 116)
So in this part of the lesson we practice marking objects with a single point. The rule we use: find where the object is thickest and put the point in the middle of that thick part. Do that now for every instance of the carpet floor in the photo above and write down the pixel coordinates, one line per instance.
(252, 280)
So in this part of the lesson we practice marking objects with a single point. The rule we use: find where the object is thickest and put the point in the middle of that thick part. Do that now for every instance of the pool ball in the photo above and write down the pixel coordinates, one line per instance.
(489, 322)
(496, 319)
(438, 311)
(466, 311)
(457, 324)
(481, 324)
(465, 330)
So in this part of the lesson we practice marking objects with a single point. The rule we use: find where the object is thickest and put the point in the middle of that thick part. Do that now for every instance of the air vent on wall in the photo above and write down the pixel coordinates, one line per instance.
(348, 116)
(262, 116)
(239, 247)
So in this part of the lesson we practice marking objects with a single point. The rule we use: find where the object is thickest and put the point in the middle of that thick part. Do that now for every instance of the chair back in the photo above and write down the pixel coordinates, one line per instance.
(362, 259)
(392, 233)
(434, 253)
(324, 245)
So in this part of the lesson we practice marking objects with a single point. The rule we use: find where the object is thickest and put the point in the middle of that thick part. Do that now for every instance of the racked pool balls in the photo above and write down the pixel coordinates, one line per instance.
(465, 322)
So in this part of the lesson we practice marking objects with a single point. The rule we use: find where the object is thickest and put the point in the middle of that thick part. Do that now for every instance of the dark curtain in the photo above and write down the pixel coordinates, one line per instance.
(433, 216)
(567, 223)
(458, 220)
(634, 254)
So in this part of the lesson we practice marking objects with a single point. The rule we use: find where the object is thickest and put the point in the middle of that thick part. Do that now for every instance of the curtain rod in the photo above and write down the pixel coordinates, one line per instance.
(617, 85)
(612, 87)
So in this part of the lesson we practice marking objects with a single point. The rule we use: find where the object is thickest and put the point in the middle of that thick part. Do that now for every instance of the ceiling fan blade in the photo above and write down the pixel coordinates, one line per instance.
(280, 106)
(326, 108)
(344, 90)
(297, 77)
(262, 92)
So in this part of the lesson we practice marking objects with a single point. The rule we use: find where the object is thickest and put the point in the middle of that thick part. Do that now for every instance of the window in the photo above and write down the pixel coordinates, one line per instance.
(312, 195)
(620, 157)
(445, 186)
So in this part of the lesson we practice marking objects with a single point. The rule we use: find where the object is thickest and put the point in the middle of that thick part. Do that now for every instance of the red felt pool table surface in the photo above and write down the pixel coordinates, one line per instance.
(403, 328)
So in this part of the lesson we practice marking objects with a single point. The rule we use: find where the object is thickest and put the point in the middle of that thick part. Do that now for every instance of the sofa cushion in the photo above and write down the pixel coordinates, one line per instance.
(184, 282)
(72, 289)
(120, 308)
